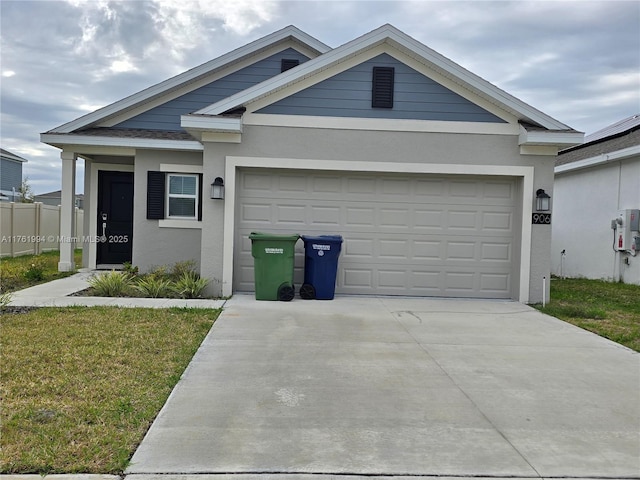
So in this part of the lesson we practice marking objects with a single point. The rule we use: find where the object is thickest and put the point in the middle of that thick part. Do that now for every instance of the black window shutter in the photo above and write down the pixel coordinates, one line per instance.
(288, 63)
(155, 195)
(382, 91)
(200, 198)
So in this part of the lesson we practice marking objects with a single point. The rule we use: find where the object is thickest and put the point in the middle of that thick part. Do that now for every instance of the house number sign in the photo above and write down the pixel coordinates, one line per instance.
(541, 219)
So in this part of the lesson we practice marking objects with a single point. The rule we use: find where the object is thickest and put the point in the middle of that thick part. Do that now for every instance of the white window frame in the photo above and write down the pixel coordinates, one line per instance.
(169, 195)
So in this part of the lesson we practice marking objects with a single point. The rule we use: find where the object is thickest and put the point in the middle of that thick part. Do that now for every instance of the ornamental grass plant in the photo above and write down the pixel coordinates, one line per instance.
(179, 280)
(111, 284)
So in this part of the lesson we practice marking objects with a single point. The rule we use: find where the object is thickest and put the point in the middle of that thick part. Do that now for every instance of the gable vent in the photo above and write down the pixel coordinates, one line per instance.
(382, 91)
(288, 64)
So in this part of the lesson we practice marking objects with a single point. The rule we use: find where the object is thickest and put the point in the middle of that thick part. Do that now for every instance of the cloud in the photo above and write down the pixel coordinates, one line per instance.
(577, 61)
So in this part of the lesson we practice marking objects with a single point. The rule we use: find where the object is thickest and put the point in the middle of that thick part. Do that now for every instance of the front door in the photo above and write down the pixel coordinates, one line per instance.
(115, 217)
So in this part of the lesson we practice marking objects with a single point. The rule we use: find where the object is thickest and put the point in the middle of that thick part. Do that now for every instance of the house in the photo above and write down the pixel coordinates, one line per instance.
(429, 172)
(55, 198)
(10, 176)
(594, 182)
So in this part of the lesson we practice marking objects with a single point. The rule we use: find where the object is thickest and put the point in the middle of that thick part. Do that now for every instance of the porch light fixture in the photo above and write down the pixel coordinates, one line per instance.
(542, 200)
(217, 189)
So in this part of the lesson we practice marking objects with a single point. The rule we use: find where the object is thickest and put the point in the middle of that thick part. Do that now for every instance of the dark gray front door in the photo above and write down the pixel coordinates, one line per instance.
(115, 217)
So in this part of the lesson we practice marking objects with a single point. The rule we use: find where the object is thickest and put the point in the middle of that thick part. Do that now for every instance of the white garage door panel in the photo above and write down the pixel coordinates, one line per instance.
(403, 234)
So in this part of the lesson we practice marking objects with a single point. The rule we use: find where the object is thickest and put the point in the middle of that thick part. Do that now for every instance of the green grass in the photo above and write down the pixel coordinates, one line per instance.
(29, 270)
(82, 385)
(611, 310)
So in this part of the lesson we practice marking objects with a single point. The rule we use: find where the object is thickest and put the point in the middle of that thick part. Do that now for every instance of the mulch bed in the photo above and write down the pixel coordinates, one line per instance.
(16, 310)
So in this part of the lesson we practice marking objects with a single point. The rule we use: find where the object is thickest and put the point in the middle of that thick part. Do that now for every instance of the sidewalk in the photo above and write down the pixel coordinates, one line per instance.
(56, 294)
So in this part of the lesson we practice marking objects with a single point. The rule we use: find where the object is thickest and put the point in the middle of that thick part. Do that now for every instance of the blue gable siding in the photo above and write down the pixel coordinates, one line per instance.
(167, 116)
(10, 174)
(348, 94)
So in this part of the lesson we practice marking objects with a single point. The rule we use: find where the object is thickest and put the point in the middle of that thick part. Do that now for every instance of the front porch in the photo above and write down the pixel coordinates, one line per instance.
(104, 206)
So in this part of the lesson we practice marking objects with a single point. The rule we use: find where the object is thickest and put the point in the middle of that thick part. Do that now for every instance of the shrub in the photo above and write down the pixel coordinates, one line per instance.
(130, 269)
(179, 269)
(35, 271)
(111, 284)
(154, 286)
(190, 285)
(158, 272)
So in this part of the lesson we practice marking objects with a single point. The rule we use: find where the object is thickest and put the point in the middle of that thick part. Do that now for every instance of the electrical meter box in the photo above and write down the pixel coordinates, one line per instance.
(627, 229)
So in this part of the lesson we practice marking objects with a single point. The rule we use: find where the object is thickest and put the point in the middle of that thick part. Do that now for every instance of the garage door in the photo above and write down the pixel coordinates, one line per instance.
(419, 235)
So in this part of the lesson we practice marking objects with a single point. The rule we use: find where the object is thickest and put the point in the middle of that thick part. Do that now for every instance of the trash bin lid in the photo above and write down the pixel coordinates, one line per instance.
(273, 236)
(322, 238)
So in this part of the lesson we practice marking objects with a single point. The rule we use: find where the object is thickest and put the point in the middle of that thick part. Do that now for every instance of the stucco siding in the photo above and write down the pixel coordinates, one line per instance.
(167, 116)
(541, 234)
(369, 147)
(152, 245)
(348, 94)
(584, 203)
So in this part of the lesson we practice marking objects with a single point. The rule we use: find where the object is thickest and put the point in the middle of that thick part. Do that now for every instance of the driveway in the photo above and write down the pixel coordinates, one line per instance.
(399, 386)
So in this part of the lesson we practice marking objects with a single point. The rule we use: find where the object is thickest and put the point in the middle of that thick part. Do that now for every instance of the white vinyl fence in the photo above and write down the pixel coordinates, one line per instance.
(32, 228)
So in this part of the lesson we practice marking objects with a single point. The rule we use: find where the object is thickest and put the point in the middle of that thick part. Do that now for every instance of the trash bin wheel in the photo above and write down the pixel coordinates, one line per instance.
(307, 291)
(286, 292)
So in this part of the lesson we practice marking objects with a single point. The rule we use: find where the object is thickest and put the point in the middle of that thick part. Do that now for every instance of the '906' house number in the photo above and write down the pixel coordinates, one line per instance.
(541, 219)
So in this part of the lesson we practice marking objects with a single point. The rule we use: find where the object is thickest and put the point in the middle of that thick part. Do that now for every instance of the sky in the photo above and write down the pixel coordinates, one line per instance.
(577, 61)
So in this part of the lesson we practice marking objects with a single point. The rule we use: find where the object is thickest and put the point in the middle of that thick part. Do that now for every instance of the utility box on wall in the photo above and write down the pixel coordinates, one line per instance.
(627, 228)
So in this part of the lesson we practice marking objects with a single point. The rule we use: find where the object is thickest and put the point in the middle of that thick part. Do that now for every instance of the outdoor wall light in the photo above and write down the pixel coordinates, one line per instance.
(217, 189)
(543, 200)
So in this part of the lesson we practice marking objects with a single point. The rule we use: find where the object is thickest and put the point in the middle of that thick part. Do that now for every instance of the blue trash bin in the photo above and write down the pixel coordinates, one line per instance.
(320, 266)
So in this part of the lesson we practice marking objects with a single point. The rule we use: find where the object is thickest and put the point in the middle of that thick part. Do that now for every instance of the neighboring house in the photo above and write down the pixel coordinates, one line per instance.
(593, 182)
(55, 198)
(428, 171)
(10, 176)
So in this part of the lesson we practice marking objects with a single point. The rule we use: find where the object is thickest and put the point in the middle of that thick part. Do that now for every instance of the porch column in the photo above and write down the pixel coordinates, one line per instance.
(67, 212)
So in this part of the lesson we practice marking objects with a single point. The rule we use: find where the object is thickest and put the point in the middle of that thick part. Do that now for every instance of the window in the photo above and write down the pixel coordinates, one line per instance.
(174, 196)
(182, 196)
(382, 91)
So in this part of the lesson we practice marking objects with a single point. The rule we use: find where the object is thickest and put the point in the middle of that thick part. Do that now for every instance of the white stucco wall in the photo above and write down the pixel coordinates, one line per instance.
(584, 203)
(153, 245)
(366, 146)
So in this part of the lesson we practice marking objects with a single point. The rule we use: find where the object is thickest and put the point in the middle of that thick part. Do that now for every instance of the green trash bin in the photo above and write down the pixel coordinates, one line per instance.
(273, 262)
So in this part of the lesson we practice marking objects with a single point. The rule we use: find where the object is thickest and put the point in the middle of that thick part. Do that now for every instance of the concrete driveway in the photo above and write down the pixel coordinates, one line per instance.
(398, 386)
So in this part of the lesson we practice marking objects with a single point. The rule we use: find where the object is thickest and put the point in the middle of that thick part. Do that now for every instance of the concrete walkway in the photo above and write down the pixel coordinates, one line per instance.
(56, 294)
(395, 387)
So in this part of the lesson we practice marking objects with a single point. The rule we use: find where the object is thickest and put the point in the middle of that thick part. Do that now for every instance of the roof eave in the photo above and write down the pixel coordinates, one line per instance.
(211, 123)
(202, 126)
(12, 156)
(556, 138)
(60, 140)
(598, 160)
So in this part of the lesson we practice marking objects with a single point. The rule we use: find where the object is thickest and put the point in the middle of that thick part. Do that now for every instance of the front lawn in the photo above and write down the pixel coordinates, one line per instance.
(28, 270)
(609, 309)
(81, 385)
